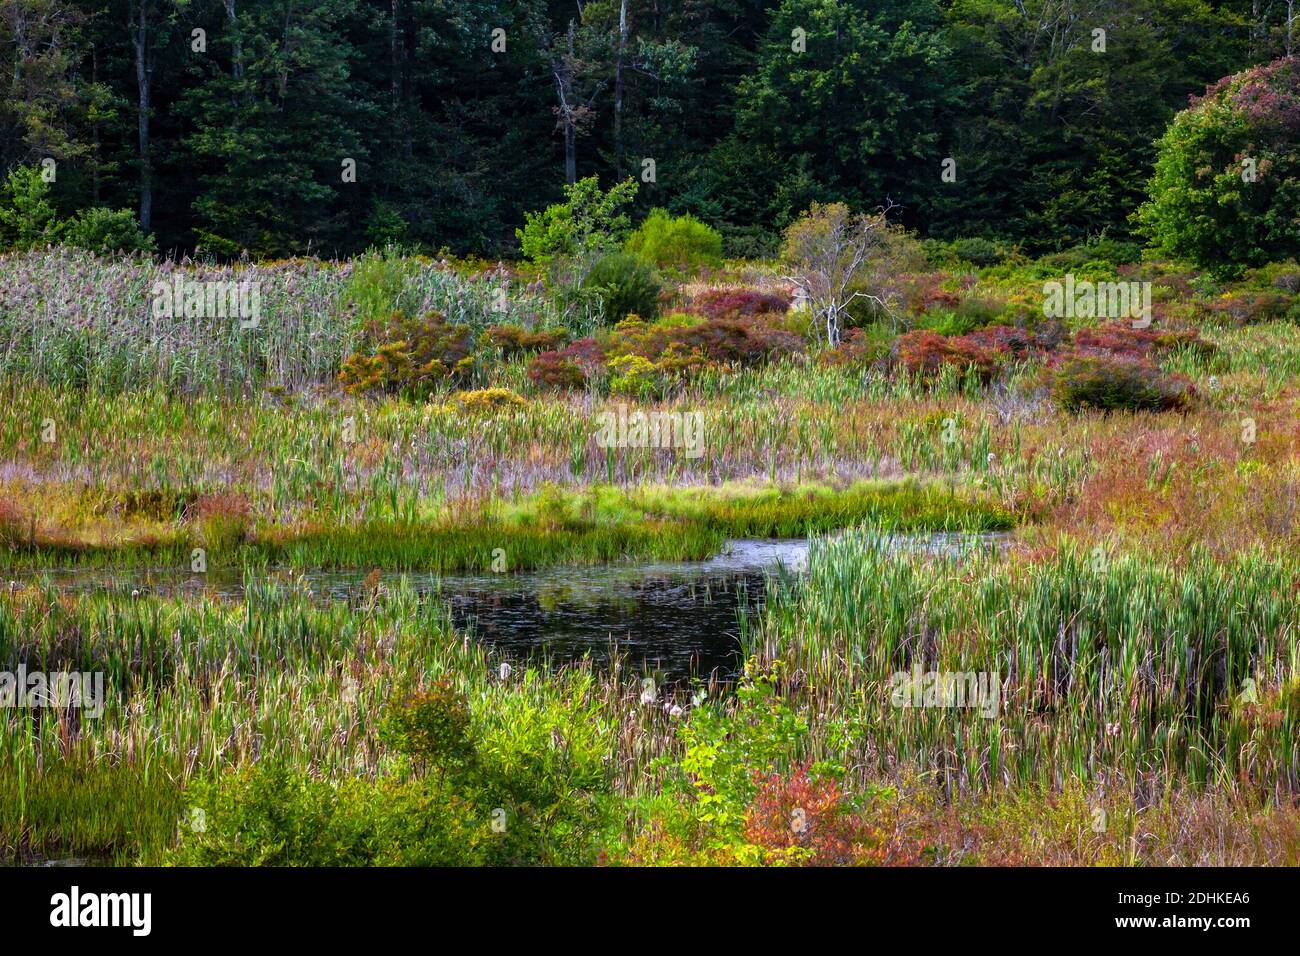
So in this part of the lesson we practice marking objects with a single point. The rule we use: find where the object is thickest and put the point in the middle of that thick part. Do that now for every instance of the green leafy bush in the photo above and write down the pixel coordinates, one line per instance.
(519, 778)
(27, 218)
(729, 748)
(108, 230)
(683, 244)
(627, 284)
(589, 224)
(977, 251)
(1227, 174)
(270, 816)
(431, 727)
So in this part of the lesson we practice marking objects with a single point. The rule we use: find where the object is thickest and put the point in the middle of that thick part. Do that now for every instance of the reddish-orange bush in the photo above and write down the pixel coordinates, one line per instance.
(1015, 342)
(1119, 339)
(800, 819)
(724, 341)
(569, 367)
(924, 291)
(924, 354)
(1246, 308)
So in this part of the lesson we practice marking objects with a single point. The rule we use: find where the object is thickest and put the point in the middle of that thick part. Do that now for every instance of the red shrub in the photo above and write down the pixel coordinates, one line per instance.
(569, 367)
(731, 341)
(739, 303)
(1245, 308)
(743, 341)
(925, 353)
(1124, 340)
(924, 292)
(798, 813)
(1014, 342)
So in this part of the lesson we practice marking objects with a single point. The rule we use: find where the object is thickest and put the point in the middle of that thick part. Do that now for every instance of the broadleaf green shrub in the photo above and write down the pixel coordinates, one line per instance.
(683, 244)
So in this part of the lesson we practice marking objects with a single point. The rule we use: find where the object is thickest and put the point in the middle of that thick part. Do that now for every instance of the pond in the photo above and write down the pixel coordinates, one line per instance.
(669, 620)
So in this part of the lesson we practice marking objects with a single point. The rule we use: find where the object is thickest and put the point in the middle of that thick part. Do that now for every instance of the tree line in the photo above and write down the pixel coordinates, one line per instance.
(287, 127)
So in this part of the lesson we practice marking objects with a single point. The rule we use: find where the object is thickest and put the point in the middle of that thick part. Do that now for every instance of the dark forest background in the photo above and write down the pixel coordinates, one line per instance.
(234, 139)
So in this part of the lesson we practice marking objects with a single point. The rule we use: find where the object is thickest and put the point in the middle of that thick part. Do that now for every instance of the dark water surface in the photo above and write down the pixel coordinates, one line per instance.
(674, 620)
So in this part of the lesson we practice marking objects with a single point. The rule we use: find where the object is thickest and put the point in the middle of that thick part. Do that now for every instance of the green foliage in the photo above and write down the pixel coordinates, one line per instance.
(588, 224)
(375, 287)
(524, 780)
(682, 244)
(978, 252)
(108, 230)
(1227, 175)
(245, 151)
(872, 86)
(27, 217)
(105, 811)
(728, 746)
(431, 727)
(627, 285)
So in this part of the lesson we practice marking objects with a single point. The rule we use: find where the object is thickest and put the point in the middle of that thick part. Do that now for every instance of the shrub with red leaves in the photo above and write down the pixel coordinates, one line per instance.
(568, 368)
(1014, 342)
(810, 822)
(1124, 340)
(1247, 308)
(924, 354)
(742, 341)
(739, 303)
(724, 341)
(924, 291)
(1111, 382)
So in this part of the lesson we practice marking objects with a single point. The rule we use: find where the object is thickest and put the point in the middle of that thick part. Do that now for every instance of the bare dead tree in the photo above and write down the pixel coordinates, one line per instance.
(835, 257)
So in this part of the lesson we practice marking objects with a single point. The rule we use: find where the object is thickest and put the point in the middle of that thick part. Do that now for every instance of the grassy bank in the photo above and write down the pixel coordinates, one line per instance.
(597, 524)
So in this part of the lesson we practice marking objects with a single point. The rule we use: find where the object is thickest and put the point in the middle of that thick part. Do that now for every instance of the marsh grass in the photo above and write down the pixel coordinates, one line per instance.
(200, 687)
(1125, 668)
(598, 524)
